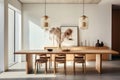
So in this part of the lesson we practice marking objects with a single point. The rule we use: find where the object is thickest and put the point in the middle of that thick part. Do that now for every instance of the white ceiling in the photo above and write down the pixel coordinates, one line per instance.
(61, 1)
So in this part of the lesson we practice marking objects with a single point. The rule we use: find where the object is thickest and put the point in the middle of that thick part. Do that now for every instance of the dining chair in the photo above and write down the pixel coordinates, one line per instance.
(49, 56)
(80, 58)
(60, 58)
(42, 58)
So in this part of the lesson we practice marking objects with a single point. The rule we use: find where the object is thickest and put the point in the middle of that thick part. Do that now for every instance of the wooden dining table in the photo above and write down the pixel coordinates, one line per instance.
(98, 53)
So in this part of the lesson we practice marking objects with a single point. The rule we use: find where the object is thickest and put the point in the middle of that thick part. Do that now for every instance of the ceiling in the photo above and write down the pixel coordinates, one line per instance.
(61, 1)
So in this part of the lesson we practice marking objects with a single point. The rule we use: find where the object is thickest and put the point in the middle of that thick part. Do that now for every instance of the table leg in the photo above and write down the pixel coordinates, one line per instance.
(99, 63)
(29, 63)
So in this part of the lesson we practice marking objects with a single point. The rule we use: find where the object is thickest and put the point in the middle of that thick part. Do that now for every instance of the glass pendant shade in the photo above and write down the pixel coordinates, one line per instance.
(45, 22)
(83, 22)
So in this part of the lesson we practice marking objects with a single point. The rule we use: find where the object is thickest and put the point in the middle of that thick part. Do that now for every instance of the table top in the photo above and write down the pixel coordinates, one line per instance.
(106, 51)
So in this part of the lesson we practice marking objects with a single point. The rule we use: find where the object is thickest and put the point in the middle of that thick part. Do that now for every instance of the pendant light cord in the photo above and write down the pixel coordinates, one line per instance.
(45, 7)
(83, 7)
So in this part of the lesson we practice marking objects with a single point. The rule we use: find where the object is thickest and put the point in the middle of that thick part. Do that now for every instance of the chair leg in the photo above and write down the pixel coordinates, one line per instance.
(74, 66)
(83, 67)
(57, 65)
(65, 68)
(54, 67)
(45, 67)
(49, 63)
(38, 65)
(35, 68)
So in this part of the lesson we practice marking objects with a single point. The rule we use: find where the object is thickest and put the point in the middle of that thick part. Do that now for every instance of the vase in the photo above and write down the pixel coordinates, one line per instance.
(97, 44)
(101, 44)
(59, 45)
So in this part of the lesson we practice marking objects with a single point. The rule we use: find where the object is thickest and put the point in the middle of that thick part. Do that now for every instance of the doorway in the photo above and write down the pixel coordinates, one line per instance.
(116, 30)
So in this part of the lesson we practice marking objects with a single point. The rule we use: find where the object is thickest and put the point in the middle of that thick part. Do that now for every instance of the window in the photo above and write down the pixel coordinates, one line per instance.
(14, 35)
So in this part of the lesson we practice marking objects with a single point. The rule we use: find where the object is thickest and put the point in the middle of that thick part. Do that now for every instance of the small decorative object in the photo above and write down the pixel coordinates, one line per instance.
(50, 49)
(102, 44)
(81, 43)
(85, 43)
(97, 44)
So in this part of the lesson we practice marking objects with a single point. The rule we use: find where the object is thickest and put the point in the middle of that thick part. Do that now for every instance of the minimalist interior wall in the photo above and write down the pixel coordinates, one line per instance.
(66, 15)
(4, 34)
(1, 35)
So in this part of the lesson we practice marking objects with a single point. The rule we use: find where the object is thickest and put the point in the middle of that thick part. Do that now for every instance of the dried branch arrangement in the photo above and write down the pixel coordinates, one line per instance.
(56, 31)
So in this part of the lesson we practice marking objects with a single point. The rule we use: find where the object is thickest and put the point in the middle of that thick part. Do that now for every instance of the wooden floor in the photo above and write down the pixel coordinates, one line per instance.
(111, 71)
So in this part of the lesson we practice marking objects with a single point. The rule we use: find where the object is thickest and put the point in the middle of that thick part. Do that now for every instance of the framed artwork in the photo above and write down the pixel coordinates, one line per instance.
(69, 36)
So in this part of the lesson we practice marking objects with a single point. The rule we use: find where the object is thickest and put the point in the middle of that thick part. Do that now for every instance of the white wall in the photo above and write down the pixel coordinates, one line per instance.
(67, 15)
(1, 35)
(4, 34)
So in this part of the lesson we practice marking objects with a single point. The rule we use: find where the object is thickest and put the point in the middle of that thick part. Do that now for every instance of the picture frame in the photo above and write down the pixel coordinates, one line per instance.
(69, 36)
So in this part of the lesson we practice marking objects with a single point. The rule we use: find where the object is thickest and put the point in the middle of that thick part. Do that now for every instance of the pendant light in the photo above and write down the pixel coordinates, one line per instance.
(83, 21)
(45, 20)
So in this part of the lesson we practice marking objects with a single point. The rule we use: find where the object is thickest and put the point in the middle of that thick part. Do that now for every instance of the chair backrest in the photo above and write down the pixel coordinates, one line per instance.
(38, 56)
